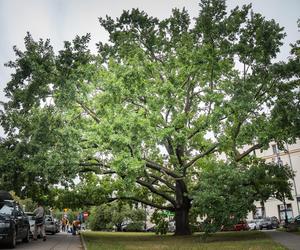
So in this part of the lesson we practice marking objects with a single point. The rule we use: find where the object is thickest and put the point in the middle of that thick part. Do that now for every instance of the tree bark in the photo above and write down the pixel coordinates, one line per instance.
(182, 210)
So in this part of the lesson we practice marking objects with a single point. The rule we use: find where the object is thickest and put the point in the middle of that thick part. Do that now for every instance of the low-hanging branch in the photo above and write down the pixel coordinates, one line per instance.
(155, 191)
(149, 203)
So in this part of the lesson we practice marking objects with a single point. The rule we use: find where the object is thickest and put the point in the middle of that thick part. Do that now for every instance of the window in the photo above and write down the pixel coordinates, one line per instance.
(274, 148)
(6, 208)
(282, 211)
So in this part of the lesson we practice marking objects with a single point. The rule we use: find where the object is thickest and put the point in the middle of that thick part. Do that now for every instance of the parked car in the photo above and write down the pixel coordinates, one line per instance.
(57, 225)
(240, 226)
(295, 220)
(266, 223)
(14, 224)
(252, 225)
(50, 226)
(31, 218)
(151, 229)
(275, 222)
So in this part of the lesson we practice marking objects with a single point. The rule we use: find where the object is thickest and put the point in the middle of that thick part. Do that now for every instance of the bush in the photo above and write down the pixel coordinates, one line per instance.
(135, 227)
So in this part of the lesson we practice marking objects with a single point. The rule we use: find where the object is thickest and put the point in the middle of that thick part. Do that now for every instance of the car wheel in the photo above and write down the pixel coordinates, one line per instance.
(26, 239)
(13, 239)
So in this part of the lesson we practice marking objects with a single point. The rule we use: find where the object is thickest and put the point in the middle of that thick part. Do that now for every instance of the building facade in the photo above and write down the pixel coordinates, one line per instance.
(273, 207)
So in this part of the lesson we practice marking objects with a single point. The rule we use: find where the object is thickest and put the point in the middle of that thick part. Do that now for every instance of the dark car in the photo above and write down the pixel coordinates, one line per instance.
(275, 222)
(266, 223)
(296, 221)
(14, 224)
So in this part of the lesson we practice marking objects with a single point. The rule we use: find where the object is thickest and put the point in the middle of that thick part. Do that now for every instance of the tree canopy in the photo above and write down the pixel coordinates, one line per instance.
(159, 103)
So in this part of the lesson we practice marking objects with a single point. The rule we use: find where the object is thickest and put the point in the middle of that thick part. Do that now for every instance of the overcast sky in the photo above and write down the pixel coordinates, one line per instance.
(62, 20)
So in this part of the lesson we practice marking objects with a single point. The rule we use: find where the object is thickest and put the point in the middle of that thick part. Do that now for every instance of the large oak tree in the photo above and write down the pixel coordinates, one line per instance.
(159, 101)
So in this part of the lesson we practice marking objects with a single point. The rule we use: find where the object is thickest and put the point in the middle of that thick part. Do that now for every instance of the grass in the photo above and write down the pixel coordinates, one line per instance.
(141, 241)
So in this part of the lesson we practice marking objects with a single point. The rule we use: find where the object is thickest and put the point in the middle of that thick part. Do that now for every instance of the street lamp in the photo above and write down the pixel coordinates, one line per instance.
(280, 163)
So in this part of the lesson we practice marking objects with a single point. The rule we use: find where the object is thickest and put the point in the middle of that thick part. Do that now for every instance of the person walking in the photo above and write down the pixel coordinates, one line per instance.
(39, 226)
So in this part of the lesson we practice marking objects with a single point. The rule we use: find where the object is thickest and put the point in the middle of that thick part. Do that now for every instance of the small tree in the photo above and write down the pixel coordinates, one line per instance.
(116, 215)
(226, 193)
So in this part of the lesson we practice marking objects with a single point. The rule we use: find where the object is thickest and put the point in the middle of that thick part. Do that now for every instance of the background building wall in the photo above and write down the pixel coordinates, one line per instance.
(291, 157)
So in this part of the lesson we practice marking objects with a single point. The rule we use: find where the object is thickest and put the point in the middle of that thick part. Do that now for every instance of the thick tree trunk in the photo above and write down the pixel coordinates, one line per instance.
(182, 222)
(182, 210)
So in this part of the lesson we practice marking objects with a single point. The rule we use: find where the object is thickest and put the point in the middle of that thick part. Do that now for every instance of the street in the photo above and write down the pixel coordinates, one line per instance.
(59, 241)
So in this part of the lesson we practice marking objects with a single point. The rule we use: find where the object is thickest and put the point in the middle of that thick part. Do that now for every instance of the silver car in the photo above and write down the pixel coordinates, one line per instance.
(50, 225)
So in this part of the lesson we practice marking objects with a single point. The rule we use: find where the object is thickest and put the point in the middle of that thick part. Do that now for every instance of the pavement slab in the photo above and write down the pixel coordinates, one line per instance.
(59, 241)
(289, 240)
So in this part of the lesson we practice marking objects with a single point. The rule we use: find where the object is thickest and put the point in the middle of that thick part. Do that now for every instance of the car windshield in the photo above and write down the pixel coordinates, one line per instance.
(6, 208)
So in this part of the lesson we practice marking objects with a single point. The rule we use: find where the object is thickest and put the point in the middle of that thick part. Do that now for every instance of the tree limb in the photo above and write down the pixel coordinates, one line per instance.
(155, 191)
(156, 166)
(196, 158)
(248, 151)
(149, 203)
(168, 184)
(89, 111)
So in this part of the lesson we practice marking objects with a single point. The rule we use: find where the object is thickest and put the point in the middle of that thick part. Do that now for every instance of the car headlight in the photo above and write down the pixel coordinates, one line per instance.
(4, 224)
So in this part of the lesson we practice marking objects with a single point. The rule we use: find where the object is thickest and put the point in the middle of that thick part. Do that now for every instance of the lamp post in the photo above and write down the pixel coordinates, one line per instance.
(295, 186)
(280, 163)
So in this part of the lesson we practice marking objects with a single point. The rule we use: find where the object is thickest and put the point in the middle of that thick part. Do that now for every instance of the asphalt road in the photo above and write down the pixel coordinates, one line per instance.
(59, 241)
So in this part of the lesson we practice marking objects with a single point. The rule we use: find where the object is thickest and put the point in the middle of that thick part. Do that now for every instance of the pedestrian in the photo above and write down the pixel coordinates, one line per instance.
(39, 225)
(63, 224)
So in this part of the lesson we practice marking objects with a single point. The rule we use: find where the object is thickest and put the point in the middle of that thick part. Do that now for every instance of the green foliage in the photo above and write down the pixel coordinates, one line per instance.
(226, 193)
(116, 215)
(161, 222)
(154, 108)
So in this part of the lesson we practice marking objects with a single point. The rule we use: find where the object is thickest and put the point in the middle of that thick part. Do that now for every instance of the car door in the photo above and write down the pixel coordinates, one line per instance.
(26, 225)
(19, 221)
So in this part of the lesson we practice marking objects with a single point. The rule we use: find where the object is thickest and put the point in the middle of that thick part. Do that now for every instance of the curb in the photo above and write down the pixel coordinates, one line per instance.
(83, 242)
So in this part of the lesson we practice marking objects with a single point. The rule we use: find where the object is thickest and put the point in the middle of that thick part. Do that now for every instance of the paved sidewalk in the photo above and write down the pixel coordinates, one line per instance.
(59, 241)
(289, 240)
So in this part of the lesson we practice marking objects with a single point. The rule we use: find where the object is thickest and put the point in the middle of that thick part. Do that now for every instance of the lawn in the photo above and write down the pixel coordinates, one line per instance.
(226, 240)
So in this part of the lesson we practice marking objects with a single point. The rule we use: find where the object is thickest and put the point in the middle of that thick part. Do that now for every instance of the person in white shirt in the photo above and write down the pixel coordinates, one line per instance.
(39, 225)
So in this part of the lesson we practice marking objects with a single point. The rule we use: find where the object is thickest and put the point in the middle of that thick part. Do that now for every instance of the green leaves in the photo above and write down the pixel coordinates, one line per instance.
(225, 193)
(150, 113)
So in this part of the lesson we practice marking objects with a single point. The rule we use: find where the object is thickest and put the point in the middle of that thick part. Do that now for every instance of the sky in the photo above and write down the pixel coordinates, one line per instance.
(62, 20)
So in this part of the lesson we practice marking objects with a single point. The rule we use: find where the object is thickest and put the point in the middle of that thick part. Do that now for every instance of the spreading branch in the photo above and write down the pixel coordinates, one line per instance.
(89, 111)
(240, 156)
(196, 158)
(168, 184)
(162, 169)
(146, 202)
(155, 191)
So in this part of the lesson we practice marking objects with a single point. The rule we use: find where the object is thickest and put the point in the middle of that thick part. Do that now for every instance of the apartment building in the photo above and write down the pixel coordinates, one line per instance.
(274, 207)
